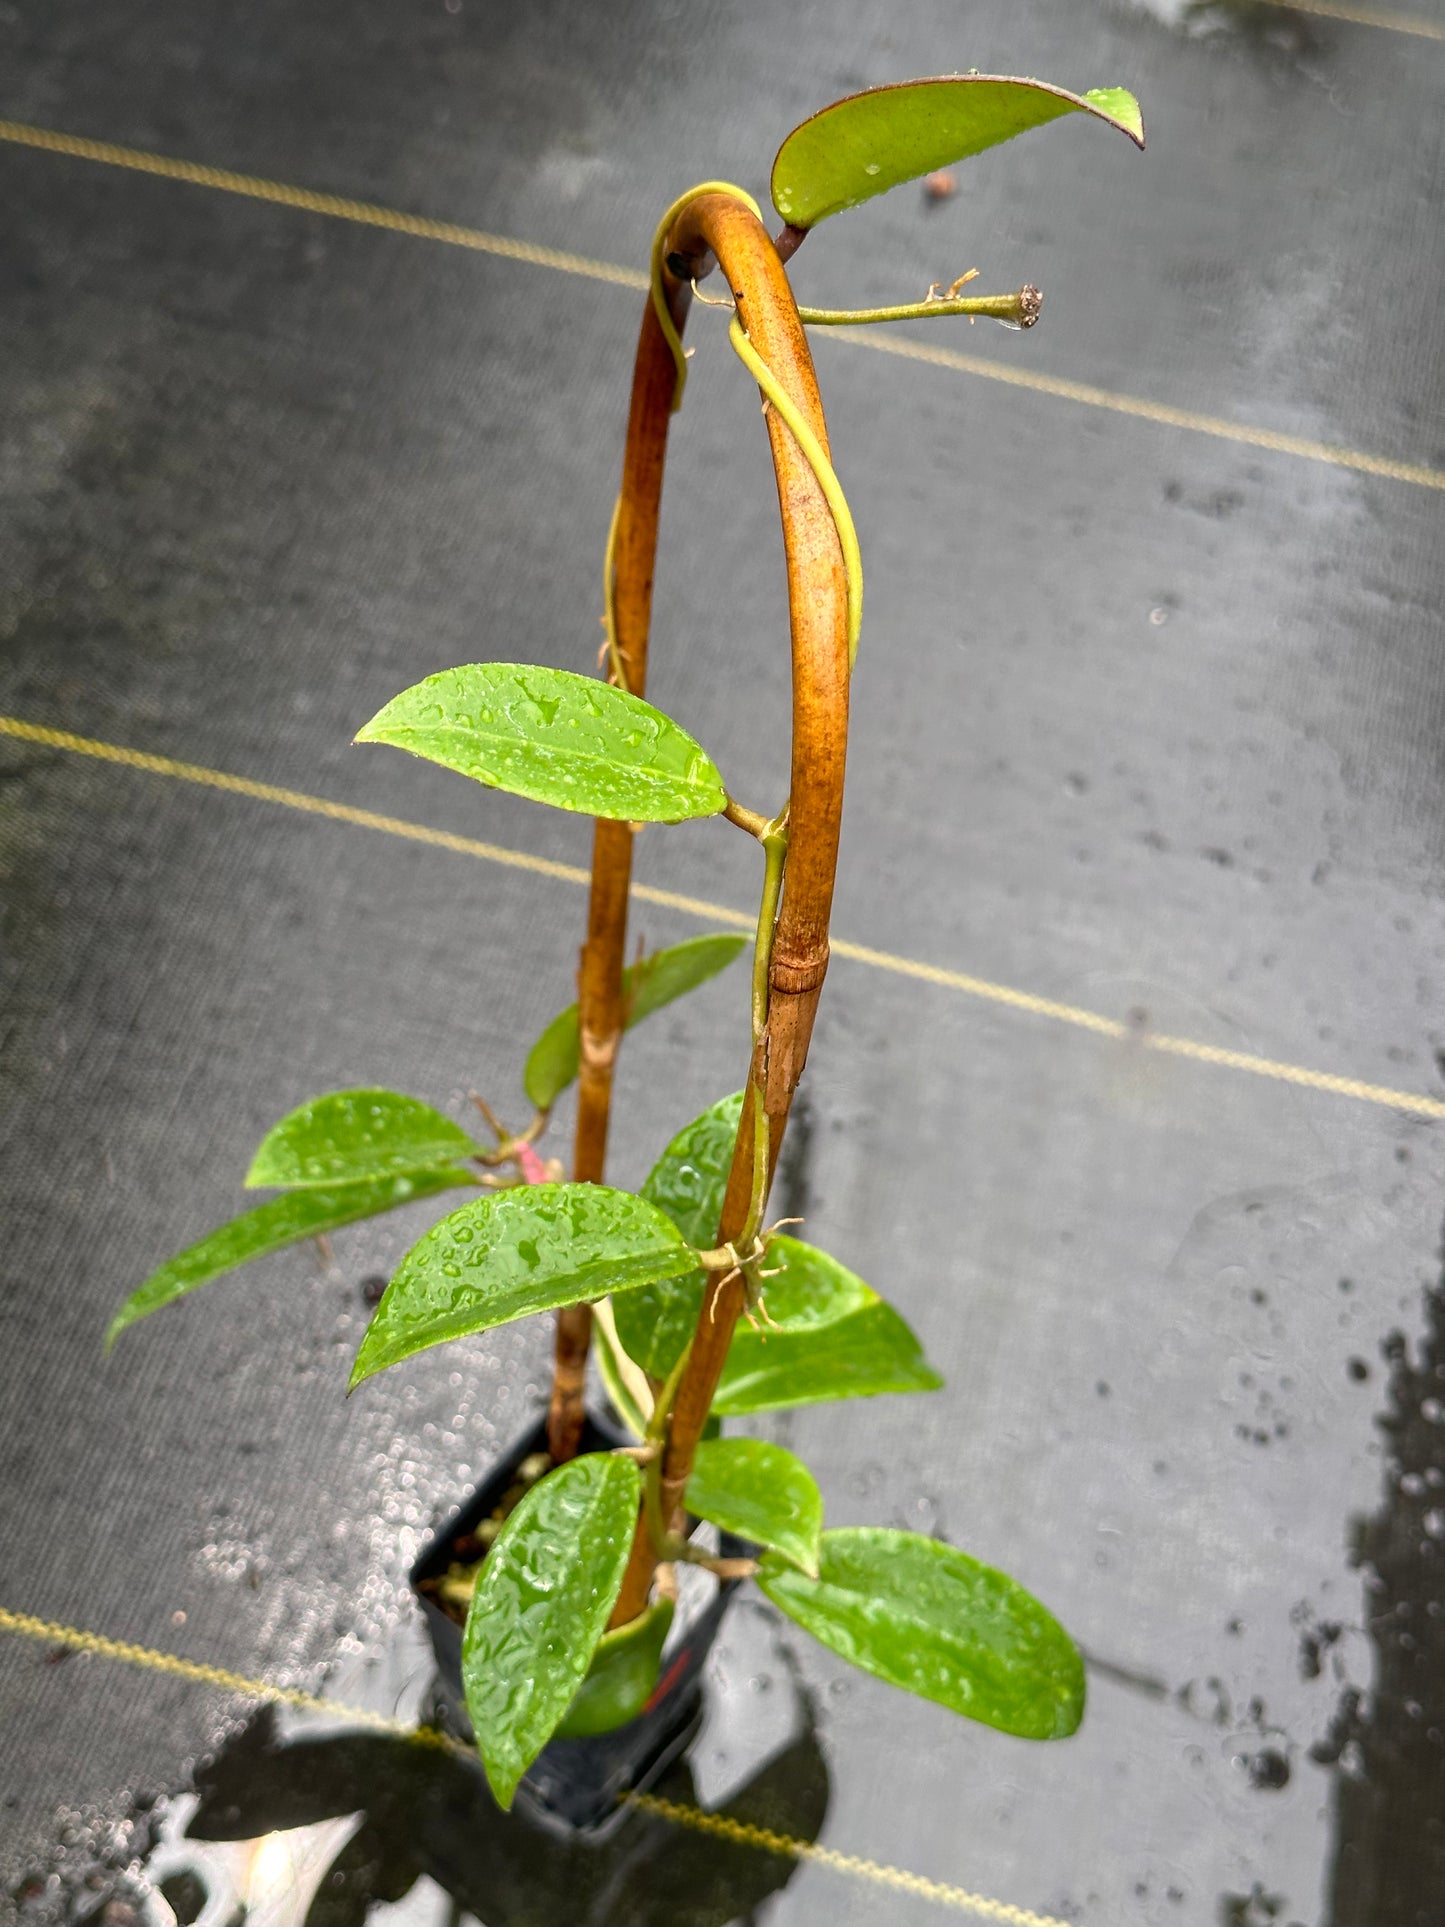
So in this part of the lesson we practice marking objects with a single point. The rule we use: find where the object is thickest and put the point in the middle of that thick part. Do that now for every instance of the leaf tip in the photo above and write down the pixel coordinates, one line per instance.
(502, 1781)
(380, 729)
(1119, 105)
(1070, 1699)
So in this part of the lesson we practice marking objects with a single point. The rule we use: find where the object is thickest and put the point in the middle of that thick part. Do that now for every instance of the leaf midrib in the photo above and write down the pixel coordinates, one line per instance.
(591, 758)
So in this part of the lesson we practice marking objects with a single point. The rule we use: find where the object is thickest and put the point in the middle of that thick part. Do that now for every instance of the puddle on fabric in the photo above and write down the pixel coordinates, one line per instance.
(294, 1822)
(1388, 1746)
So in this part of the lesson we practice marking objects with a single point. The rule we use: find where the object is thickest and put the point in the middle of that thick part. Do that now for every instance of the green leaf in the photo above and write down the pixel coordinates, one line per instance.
(690, 1179)
(623, 1402)
(351, 1135)
(928, 1618)
(646, 987)
(540, 1607)
(556, 737)
(284, 1221)
(533, 1248)
(687, 1182)
(808, 1289)
(858, 1356)
(622, 1676)
(762, 1493)
(870, 142)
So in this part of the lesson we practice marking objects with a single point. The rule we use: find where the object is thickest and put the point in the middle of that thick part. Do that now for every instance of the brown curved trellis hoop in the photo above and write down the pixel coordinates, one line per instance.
(717, 229)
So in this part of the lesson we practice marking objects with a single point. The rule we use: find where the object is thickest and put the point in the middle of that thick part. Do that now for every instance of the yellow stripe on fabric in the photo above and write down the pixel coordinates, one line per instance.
(1006, 995)
(219, 779)
(722, 1827)
(53, 1632)
(1165, 415)
(337, 207)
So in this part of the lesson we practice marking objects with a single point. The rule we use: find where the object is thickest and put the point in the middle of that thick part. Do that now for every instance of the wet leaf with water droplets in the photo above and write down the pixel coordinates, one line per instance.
(925, 1616)
(284, 1221)
(870, 142)
(556, 737)
(350, 1135)
(646, 986)
(541, 1605)
(760, 1492)
(867, 1351)
(531, 1249)
(687, 1182)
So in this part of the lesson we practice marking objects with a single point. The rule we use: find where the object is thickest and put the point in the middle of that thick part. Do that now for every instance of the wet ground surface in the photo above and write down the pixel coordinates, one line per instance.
(1146, 721)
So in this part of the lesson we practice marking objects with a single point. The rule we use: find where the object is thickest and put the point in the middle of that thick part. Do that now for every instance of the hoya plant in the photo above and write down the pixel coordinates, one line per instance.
(703, 1310)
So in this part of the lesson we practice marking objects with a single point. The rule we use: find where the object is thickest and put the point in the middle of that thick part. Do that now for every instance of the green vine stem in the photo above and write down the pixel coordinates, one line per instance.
(774, 840)
(781, 402)
(616, 667)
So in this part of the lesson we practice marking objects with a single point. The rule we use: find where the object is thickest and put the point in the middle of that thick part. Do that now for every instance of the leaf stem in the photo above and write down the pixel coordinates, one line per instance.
(774, 839)
(687, 1554)
(662, 1405)
(789, 241)
(653, 1512)
(753, 821)
(616, 667)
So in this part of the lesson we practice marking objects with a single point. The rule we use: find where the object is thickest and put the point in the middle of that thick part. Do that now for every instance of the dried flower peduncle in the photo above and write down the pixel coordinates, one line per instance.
(1019, 310)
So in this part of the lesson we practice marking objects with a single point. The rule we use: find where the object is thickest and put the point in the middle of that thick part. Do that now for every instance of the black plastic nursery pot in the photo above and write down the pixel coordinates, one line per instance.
(577, 1786)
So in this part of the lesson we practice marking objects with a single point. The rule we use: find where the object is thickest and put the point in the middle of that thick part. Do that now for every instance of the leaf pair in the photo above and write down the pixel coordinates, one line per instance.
(835, 1336)
(284, 1221)
(542, 1247)
(536, 1660)
(912, 1611)
(344, 1157)
(354, 1154)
